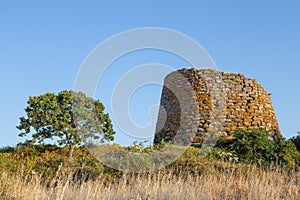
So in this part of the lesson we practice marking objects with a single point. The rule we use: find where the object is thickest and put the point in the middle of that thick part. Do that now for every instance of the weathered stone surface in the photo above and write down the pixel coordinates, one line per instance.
(225, 102)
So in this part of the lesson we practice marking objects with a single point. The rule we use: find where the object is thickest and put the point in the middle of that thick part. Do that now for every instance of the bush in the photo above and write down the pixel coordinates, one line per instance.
(286, 152)
(296, 141)
(223, 155)
(7, 149)
(256, 146)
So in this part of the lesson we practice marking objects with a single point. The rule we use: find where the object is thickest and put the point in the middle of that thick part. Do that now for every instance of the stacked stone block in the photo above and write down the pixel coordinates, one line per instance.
(221, 103)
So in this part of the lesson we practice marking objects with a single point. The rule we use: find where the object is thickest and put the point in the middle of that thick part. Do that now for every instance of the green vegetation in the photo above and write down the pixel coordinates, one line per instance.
(296, 141)
(257, 147)
(69, 117)
(44, 172)
(247, 147)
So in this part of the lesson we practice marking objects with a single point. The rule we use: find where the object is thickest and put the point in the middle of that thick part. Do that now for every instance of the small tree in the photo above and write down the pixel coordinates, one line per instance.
(69, 117)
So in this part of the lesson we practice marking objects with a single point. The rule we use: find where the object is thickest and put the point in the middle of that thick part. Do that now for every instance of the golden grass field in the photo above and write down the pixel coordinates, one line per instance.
(231, 182)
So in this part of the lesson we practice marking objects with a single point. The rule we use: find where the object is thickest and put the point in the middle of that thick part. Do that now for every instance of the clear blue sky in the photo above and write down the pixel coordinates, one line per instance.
(43, 44)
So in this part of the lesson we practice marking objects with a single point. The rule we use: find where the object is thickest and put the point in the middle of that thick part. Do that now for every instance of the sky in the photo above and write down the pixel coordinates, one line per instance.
(43, 45)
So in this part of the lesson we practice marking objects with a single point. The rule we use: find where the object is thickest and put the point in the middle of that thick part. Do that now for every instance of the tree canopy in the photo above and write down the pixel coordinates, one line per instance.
(71, 118)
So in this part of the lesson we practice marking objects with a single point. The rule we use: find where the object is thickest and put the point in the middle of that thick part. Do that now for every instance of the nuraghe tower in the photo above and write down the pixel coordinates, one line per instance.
(220, 103)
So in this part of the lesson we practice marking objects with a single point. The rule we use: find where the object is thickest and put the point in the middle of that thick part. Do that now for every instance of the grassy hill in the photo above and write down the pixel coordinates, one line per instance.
(44, 172)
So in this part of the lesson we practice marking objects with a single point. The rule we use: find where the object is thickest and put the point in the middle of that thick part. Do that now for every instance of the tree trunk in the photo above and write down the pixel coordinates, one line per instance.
(70, 153)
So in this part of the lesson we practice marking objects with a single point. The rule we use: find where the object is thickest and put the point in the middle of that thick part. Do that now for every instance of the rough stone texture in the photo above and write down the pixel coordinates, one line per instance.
(224, 102)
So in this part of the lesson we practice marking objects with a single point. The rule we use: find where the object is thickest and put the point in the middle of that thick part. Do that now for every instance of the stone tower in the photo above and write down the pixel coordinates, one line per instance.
(222, 102)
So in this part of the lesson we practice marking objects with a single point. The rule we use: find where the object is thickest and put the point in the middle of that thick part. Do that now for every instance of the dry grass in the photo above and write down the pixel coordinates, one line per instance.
(231, 183)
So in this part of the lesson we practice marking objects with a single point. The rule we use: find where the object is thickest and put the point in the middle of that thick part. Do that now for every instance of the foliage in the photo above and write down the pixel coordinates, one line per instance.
(224, 155)
(45, 161)
(44, 173)
(7, 149)
(257, 146)
(136, 147)
(296, 141)
(286, 152)
(68, 117)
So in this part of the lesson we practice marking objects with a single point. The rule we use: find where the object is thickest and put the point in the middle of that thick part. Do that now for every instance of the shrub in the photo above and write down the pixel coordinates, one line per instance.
(249, 146)
(7, 149)
(296, 141)
(256, 146)
(286, 152)
(224, 155)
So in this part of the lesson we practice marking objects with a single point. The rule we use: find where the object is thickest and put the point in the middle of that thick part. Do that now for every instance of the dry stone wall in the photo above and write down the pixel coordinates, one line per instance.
(224, 102)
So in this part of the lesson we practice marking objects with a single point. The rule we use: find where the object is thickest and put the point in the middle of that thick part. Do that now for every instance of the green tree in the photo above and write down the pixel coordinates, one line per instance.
(69, 117)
